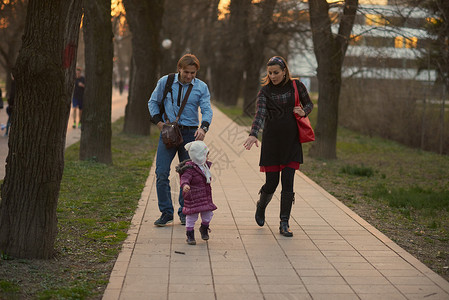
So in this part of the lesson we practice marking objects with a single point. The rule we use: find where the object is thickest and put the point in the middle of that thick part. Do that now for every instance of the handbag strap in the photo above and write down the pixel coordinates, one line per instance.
(295, 86)
(184, 101)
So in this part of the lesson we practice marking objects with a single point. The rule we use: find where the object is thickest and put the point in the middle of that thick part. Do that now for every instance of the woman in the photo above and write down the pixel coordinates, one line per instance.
(281, 152)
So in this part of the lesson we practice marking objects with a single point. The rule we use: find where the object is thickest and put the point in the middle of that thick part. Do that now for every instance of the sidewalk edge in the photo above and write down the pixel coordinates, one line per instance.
(118, 274)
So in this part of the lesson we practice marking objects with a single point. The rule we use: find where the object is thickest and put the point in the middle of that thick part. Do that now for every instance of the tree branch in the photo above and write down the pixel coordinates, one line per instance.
(346, 24)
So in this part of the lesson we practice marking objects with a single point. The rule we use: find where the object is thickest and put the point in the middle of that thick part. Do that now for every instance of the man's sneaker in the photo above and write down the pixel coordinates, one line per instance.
(182, 218)
(164, 220)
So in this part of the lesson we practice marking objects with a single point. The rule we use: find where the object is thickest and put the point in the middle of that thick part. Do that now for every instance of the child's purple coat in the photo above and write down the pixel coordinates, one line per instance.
(199, 198)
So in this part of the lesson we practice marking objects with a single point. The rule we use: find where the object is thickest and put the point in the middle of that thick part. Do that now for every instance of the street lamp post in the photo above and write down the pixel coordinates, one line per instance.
(167, 56)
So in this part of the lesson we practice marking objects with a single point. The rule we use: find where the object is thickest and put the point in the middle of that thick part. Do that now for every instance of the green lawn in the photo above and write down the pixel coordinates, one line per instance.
(96, 205)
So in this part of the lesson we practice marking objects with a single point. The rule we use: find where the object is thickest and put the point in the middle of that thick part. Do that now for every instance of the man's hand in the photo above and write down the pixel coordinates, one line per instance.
(186, 188)
(160, 125)
(200, 134)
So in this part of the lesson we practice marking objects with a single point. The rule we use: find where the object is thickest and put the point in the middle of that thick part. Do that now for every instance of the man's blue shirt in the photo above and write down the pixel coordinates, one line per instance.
(199, 97)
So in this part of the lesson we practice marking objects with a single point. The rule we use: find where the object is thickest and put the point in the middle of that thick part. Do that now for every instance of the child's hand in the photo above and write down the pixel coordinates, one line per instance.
(186, 188)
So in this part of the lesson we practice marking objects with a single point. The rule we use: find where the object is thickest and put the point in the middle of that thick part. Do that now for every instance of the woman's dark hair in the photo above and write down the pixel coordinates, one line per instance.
(280, 61)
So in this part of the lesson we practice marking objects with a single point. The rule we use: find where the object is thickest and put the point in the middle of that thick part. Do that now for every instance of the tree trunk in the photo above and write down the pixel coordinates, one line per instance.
(442, 113)
(173, 28)
(252, 86)
(255, 55)
(208, 47)
(96, 118)
(45, 75)
(231, 63)
(330, 51)
(329, 83)
(144, 18)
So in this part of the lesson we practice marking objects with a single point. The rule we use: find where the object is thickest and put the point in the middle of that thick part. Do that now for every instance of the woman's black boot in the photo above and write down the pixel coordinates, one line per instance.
(287, 199)
(261, 205)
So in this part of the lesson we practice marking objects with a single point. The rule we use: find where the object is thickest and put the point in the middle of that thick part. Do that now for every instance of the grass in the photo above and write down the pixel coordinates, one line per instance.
(96, 205)
(414, 198)
(403, 192)
(356, 170)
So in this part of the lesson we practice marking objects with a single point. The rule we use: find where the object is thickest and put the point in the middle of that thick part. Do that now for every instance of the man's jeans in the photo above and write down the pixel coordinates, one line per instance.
(163, 163)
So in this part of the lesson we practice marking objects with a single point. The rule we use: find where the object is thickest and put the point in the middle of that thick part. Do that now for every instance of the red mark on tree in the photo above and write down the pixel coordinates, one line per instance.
(69, 55)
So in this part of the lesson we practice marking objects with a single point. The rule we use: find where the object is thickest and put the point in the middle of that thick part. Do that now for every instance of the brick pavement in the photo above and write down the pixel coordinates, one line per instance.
(334, 254)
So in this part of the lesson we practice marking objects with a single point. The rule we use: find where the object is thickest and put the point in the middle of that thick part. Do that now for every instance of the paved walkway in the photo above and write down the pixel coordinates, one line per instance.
(334, 254)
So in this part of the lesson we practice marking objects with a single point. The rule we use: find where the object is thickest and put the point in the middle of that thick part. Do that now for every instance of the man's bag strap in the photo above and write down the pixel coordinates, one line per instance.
(184, 102)
(168, 85)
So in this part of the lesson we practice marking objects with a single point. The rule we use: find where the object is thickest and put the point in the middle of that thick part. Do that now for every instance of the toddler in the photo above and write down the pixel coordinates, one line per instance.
(195, 183)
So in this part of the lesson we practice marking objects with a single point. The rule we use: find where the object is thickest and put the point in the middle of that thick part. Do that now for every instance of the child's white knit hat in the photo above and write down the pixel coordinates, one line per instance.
(197, 151)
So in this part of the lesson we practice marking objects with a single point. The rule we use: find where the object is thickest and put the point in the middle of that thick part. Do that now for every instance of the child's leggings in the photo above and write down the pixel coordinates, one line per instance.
(206, 217)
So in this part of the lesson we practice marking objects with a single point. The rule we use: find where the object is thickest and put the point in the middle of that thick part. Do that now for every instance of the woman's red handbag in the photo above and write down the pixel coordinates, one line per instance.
(306, 133)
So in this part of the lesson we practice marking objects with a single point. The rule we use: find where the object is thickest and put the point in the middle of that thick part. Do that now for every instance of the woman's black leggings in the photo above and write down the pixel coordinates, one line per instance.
(272, 180)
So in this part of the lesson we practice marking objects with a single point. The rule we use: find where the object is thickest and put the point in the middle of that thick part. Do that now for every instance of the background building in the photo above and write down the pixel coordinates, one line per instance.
(387, 47)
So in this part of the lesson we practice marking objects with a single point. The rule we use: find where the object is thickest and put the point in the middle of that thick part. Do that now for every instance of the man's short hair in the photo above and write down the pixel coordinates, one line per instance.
(188, 60)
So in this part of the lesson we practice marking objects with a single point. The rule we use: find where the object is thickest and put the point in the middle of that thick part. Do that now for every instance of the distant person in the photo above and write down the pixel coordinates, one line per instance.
(195, 184)
(199, 97)
(121, 85)
(10, 107)
(1, 98)
(281, 152)
(77, 100)
(2, 126)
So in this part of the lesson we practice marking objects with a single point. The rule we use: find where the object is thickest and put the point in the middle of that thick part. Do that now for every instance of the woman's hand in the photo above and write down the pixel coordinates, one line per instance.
(186, 188)
(299, 111)
(250, 141)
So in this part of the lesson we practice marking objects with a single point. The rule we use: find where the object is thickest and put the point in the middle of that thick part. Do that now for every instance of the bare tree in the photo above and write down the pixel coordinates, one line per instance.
(230, 61)
(45, 75)
(144, 18)
(174, 28)
(439, 55)
(121, 44)
(255, 52)
(201, 17)
(330, 50)
(96, 118)
(209, 42)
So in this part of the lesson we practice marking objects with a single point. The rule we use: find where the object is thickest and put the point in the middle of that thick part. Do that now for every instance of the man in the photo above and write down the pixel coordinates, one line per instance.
(78, 93)
(199, 96)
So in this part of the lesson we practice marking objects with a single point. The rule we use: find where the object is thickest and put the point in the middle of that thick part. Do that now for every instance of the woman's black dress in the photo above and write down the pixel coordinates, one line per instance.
(280, 138)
